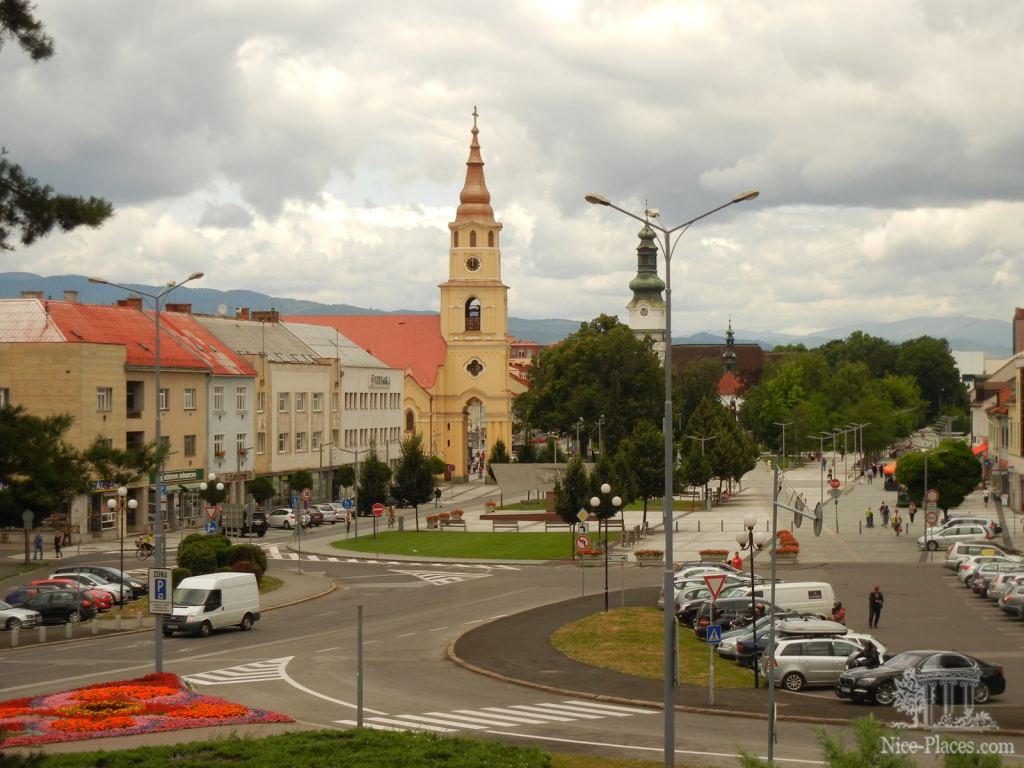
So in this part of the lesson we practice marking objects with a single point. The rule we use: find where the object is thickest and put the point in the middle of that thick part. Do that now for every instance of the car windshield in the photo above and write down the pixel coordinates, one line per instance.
(4, 606)
(904, 660)
(190, 596)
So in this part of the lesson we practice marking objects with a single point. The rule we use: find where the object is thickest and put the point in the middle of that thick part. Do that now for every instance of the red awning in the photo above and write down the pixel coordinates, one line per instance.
(889, 469)
(980, 448)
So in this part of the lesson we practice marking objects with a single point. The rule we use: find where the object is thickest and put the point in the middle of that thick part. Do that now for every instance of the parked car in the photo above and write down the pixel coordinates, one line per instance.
(282, 518)
(726, 612)
(801, 662)
(110, 574)
(985, 573)
(314, 517)
(103, 600)
(750, 648)
(1012, 601)
(970, 566)
(993, 527)
(878, 685)
(935, 538)
(961, 549)
(12, 618)
(64, 606)
(118, 592)
(331, 515)
(1004, 582)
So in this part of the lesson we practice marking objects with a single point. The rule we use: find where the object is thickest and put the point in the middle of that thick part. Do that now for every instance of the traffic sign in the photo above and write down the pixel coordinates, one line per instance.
(211, 527)
(933, 495)
(582, 515)
(834, 482)
(835, 493)
(295, 501)
(346, 504)
(931, 516)
(378, 509)
(451, 467)
(160, 592)
(714, 634)
(307, 494)
(715, 582)
(583, 542)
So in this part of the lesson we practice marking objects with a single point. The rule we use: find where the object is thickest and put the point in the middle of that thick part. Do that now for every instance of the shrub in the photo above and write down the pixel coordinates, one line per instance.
(248, 566)
(247, 552)
(197, 557)
(178, 574)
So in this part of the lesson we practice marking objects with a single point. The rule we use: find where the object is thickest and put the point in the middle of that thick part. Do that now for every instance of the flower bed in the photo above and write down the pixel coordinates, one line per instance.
(787, 547)
(648, 556)
(156, 702)
(713, 554)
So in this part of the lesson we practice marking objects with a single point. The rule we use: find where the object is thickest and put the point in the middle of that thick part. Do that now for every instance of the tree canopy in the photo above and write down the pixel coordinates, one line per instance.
(414, 480)
(953, 470)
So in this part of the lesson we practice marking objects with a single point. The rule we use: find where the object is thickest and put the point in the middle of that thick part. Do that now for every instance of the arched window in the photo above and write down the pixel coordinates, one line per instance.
(455, 239)
(410, 421)
(472, 315)
(490, 239)
(472, 238)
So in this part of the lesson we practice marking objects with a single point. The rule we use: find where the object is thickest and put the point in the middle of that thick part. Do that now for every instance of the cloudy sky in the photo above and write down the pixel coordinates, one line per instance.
(316, 149)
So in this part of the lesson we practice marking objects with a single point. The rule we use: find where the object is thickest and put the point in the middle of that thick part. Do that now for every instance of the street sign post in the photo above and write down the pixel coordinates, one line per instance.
(346, 504)
(160, 591)
(211, 527)
(931, 517)
(714, 634)
(834, 482)
(307, 494)
(715, 583)
(708, 635)
(378, 509)
(582, 542)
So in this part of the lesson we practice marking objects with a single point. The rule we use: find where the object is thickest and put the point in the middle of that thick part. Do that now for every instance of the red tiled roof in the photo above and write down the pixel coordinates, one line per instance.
(218, 357)
(124, 326)
(408, 342)
(730, 385)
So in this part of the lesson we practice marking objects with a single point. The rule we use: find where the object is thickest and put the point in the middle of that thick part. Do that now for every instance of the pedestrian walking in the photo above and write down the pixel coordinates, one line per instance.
(912, 510)
(38, 554)
(985, 498)
(737, 561)
(58, 539)
(875, 601)
(437, 497)
(871, 475)
(348, 521)
(897, 523)
(869, 516)
(884, 510)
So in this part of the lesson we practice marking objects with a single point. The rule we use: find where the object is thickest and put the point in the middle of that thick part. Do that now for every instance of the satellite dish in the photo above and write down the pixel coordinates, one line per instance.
(819, 517)
(222, 309)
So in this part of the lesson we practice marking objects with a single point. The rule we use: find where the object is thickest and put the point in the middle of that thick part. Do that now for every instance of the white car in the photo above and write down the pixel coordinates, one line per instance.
(331, 515)
(282, 518)
(936, 538)
(12, 618)
(991, 525)
(966, 568)
(118, 592)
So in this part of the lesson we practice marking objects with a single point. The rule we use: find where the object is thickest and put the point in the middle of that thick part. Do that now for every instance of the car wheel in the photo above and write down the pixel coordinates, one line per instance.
(794, 681)
(205, 629)
(13, 624)
(74, 617)
(933, 545)
(246, 622)
(982, 693)
(968, 581)
(287, 526)
(168, 632)
(261, 534)
(885, 694)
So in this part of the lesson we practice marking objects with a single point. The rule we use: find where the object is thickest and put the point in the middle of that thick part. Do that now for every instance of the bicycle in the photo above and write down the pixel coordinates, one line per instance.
(144, 550)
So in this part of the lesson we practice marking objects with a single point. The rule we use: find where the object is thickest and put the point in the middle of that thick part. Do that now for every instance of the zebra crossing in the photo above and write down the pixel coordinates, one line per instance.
(274, 553)
(256, 672)
(490, 718)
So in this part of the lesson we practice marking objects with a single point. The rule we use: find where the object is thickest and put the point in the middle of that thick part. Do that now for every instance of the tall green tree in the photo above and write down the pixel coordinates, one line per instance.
(372, 488)
(414, 480)
(643, 453)
(572, 493)
(932, 366)
(299, 481)
(499, 455)
(126, 466)
(261, 489)
(344, 476)
(30, 210)
(953, 470)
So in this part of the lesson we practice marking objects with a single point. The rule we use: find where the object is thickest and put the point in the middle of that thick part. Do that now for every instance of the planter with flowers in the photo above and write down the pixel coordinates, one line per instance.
(456, 514)
(788, 548)
(714, 555)
(649, 556)
(490, 506)
(591, 556)
(432, 521)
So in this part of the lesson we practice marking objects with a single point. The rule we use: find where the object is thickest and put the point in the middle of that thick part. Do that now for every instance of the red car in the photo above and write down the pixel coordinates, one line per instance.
(103, 600)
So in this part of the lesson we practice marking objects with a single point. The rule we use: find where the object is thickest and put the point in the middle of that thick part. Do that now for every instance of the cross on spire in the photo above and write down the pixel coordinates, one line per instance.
(475, 116)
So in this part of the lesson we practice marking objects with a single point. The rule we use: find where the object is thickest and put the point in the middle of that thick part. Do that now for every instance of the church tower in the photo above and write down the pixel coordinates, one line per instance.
(647, 308)
(475, 407)
(729, 356)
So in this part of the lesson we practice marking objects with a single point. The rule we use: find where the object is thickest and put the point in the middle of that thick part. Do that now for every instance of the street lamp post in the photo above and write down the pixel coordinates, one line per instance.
(671, 649)
(605, 507)
(158, 516)
(783, 424)
(203, 486)
(600, 438)
(752, 541)
(119, 505)
(821, 460)
(579, 425)
(330, 492)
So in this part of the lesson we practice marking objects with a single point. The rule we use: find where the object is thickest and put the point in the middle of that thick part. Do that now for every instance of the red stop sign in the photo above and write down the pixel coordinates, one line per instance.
(834, 482)
(378, 509)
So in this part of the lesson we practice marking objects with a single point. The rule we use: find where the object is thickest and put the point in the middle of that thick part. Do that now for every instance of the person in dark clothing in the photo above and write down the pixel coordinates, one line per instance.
(58, 539)
(875, 601)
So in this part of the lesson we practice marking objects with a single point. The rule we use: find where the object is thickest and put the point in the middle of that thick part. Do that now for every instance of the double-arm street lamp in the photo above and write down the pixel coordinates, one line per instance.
(752, 541)
(158, 517)
(605, 506)
(211, 482)
(670, 619)
(118, 506)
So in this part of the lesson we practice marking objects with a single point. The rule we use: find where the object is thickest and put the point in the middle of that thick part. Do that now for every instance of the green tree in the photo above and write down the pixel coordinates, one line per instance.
(344, 476)
(414, 481)
(644, 454)
(698, 380)
(261, 489)
(39, 472)
(299, 480)
(26, 206)
(572, 493)
(601, 369)
(953, 470)
(499, 455)
(932, 366)
(374, 476)
(124, 467)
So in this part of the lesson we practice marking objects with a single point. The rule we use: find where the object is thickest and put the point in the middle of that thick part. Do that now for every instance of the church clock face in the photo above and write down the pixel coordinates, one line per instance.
(472, 263)
(643, 311)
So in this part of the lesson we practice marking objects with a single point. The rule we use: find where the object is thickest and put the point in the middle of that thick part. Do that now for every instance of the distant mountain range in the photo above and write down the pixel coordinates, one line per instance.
(962, 333)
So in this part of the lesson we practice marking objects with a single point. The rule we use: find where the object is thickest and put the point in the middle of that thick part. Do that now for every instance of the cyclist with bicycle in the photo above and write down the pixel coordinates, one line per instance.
(145, 545)
(391, 516)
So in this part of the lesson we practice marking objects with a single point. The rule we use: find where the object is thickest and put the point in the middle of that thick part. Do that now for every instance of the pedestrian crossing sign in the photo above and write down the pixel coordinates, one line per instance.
(714, 634)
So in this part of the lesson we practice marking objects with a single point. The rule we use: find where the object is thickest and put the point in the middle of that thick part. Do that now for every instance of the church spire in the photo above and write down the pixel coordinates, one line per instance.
(729, 356)
(475, 200)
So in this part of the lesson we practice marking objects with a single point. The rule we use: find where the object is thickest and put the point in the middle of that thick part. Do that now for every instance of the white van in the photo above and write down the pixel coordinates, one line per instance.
(202, 604)
(813, 597)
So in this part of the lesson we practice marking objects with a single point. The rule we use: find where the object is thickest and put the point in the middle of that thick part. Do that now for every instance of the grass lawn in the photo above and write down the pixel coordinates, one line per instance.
(467, 544)
(630, 640)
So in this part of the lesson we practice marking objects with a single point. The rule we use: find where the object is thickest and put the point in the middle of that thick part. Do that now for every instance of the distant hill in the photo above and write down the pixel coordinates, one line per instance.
(962, 333)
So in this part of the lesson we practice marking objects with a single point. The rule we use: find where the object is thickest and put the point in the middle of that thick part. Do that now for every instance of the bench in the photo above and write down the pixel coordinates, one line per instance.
(556, 527)
(454, 523)
(504, 525)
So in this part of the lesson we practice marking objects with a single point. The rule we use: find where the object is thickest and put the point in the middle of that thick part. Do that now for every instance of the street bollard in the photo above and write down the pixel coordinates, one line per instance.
(722, 524)
(14, 638)
(67, 631)
(860, 527)
(95, 627)
(401, 524)
(698, 525)
(42, 633)
(117, 622)
(139, 622)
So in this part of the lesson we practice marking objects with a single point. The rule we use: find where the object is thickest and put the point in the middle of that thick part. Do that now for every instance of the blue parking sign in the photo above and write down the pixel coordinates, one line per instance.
(211, 527)
(347, 504)
(714, 634)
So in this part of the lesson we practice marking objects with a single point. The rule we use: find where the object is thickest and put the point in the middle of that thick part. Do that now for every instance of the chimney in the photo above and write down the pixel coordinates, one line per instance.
(132, 302)
(266, 316)
(183, 308)
(32, 295)
(71, 297)
(243, 313)
(1018, 330)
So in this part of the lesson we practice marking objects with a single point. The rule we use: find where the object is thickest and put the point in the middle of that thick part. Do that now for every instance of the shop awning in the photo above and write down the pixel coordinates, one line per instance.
(889, 469)
(980, 448)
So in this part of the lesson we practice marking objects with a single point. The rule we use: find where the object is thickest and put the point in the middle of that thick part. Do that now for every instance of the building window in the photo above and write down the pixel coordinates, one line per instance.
(334, 401)
(240, 447)
(472, 315)
(300, 441)
(104, 399)
(282, 442)
(474, 368)
(165, 398)
(261, 442)
(261, 401)
(490, 239)
(455, 239)
(318, 402)
(241, 398)
(282, 402)
(315, 445)
(218, 446)
(190, 399)
(334, 436)
(5, 397)
(300, 401)
(190, 445)
(472, 238)
(218, 397)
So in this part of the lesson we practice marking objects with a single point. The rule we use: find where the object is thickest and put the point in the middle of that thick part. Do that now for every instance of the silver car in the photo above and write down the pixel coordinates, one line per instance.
(12, 618)
(811, 661)
(330, 513)
(936, 538)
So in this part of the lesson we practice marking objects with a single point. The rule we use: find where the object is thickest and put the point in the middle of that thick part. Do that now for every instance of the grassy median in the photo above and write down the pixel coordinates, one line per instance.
(470, 545)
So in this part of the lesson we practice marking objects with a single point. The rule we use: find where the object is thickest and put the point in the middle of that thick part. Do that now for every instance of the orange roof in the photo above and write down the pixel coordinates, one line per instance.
(218, 357)
(410, 342)
(730, 384)
(125, 326)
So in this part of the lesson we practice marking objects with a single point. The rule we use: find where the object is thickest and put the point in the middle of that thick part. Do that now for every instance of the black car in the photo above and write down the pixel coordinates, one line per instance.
(64, 606)
(729, 613)
(879, 685)
(19, 595)
(112, 575)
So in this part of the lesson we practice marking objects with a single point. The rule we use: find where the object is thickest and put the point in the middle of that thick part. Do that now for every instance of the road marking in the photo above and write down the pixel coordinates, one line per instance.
(436, 629)
(257, 672)
(325, 650)
(407, 634)
(440, 579)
